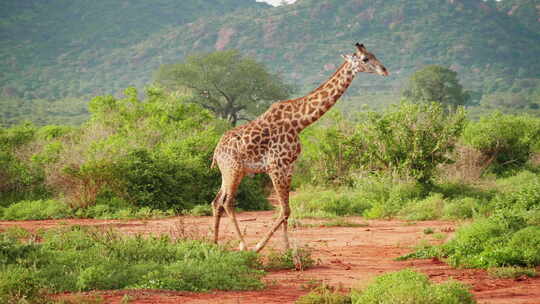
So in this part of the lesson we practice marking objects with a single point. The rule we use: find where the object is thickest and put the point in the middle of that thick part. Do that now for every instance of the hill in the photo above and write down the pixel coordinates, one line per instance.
(52, 49)
(94, 48)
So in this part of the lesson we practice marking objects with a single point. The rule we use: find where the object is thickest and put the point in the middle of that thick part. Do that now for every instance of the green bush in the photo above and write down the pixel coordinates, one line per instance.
(19, 178)
(330, 153)
(409, 140)
(386, 197)
(460, 209)
(19, 285)
(506, 141)
(407, 286)
(77, 259)
(310, 202)
(425, 209)
(36, 210)
(153, 154)
(371, 197)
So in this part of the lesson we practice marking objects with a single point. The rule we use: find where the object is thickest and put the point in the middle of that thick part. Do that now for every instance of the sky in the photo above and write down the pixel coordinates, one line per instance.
(275, 2)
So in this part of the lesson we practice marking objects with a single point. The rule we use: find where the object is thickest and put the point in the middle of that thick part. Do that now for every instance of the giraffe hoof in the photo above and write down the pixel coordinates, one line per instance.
(257, 248)
(242, 247)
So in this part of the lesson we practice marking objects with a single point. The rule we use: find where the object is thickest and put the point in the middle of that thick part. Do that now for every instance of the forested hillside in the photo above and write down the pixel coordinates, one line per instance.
(52, 49)
(58, 49)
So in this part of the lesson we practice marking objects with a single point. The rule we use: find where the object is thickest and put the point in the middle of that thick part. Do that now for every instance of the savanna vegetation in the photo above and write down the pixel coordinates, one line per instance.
(431, 143)
(147, 154)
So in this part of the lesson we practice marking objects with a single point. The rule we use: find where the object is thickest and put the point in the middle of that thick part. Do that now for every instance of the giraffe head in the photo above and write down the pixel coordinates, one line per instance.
(366, 62)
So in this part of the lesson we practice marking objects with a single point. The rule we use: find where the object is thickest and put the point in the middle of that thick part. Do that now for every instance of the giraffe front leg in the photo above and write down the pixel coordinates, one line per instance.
(230, 186)
(281, 181)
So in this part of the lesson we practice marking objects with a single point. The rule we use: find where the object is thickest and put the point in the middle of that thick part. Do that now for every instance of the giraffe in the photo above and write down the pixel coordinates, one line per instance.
(270, 143)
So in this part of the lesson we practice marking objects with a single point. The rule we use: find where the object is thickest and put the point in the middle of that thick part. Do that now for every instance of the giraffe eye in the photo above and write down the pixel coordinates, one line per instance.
(365, 59)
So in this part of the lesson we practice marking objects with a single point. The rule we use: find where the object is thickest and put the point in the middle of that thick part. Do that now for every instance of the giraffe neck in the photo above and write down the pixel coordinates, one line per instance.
(318, 102)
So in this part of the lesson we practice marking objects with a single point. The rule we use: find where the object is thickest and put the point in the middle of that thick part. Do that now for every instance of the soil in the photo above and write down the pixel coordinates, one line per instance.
(347, 257)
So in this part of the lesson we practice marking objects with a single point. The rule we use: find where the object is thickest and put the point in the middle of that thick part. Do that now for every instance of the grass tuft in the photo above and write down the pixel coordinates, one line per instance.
(296, 258)
(407, 286)
(324, 294)
(511, 272)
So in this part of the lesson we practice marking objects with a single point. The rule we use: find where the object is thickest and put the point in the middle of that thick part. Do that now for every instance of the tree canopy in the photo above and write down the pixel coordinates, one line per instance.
(436, 83)
(230, 85)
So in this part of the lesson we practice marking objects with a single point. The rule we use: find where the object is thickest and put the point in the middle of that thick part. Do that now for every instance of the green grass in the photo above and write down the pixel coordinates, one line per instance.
(54, 209)
(510, 236)
(78, 259)
(370, 197)
(511, 272)
(36, 210)
(201, 210)
(429, 230)
(318, 203)
(324, 294)
(409, 287)
(429, 208)
(295, 258)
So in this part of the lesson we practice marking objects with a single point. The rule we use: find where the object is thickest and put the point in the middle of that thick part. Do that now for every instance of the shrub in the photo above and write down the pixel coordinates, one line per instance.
(152, 153)
(330, 153)
(386, 197)
(36, 210)
(506, 141)
(426, 209)
(327, 203)
(460, 209)
(19, 179)
(501, 240)
(19, 285)
(409, 140)
(407, 286)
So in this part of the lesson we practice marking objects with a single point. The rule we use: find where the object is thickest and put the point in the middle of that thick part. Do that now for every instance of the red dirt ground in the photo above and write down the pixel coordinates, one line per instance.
(347, 257)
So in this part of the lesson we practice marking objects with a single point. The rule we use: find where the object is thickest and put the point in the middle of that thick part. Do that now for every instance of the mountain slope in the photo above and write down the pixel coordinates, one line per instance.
(490, 50)
(52, 48)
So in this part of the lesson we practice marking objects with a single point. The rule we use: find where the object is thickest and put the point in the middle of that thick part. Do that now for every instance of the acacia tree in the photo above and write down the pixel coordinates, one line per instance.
(232, 86)
(436, 84)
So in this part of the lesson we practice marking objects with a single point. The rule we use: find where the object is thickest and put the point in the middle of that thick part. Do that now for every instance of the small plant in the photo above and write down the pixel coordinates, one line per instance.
(201, 210)
(511, 272)
(296, 258)
(324, 294)
(440, 236)
(407, 286)
(429, 230)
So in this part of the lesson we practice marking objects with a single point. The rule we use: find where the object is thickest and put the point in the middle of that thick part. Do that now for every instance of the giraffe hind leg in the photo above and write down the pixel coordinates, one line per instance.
(217, 208)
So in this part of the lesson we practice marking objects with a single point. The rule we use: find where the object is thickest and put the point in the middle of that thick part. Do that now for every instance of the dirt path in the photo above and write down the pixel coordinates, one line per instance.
(347, 257)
